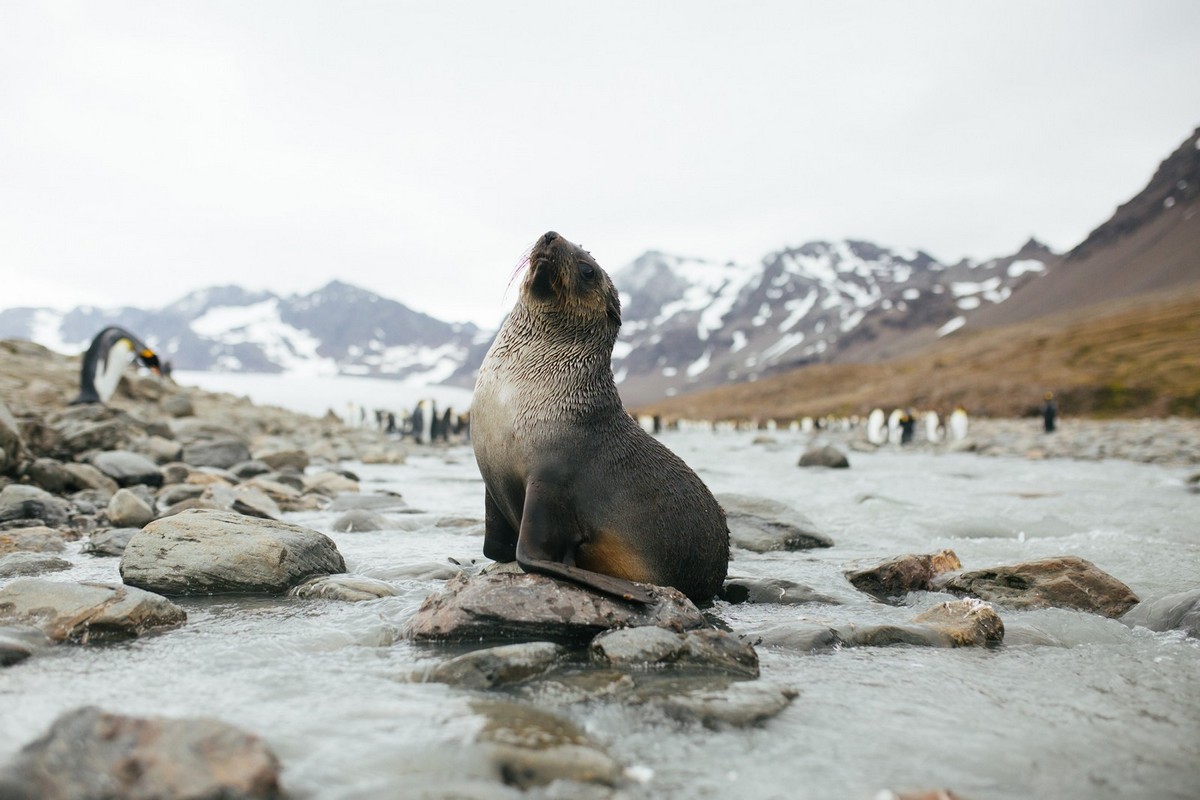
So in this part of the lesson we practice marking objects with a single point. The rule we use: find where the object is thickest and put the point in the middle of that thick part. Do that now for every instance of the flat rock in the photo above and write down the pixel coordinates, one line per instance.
(804, 637)
(127, 468)
(201, 551)
(649, 646)
(742, 704)
(159, 450)
(771, 590)
(108, 542)
(82, 612)
(86, 476)
(528, 607)
(222, 451)
(128, 510)
(360, 519)
(351, 588)
(898, 576)
(249, 469)
(496, 666)
(369, 502)
(1174, 612)
(1058, 582)
(20, 502)
(36, 539)
(23, 563)
(763, 525)
(329, 484)
(89, 754)
(284, 459)
(826, 456)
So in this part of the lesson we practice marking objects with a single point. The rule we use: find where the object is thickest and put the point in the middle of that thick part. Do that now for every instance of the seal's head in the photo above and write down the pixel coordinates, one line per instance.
(564, 279)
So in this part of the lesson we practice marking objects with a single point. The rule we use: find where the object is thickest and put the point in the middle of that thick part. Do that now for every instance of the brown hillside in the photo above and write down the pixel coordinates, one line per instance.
(1136, 358)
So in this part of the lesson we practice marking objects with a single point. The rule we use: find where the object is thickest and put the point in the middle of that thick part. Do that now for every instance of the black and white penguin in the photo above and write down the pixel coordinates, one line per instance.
(106, 359)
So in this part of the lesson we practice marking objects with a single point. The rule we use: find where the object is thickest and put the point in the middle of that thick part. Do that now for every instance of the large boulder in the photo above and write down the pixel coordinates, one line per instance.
(83, 612)
(128, 468)
(20, 502)
(89, 754)
(762, 525)
(526, 607)
(223, 452)
(898, 576)
(1059, 582)
(201, 551)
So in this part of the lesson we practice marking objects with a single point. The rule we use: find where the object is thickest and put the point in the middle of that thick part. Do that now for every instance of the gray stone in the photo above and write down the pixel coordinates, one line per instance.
(178, 405)
(958, 623)
(496, 666)
(83, 612)
(528, 607)
(707, 649)
(248, 469)
(175, 472)
(110, 542)
(804, 637)
(19, 643)
(22, 563)
(37, 539)
(351, 588)
(208, 552)
(898, 576)
(89, 754)
(284, 459)
(763, 525)
(1179, 611)
(743, 704)
(159, 450)
(128, 510)
(827, 456)
(223, 452)
(128, 468)
(177, 493)
(51, 475)
(86, 476)
(329, 484)
(771, 590)
(360, 520)
(20, 502)
(1059, 582)
(368, 502)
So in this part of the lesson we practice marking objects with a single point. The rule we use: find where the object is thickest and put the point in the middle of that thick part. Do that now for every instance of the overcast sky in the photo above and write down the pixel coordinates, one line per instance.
(150, 148)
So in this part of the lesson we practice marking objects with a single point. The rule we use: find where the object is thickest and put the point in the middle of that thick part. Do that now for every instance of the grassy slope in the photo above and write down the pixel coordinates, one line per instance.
(1137, 358)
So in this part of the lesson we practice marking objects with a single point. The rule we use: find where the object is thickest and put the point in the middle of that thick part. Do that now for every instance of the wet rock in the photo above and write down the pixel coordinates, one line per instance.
(530, 748)
(771, 590)
(827, 456)
(359, 520)
(535, 607)
(1059, 582)
(496, 666)
(31, 564)
(83, 612)
(19, 643)
(110, 542)
(284, 459)
(742, 704)
(128, 468)
(804, 637)
(707, 649)
(958, 623)
(1174, 612)
(12, 448)
(329, 484)
(351, 588)
(159, 450)
(178, 405)
(128, 510)
(36, 539)
(903, 574)
(223, 452)
(423, 571)
(380, 501)
(89, 754)
(207, 552)
(20, 502)
(763, 525)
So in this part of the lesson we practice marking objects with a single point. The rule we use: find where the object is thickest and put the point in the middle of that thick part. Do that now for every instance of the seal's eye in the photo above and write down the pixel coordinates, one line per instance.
(586, 269)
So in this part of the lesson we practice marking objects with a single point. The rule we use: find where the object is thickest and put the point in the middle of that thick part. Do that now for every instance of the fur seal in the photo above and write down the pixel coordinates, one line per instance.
(575, 488)
(106, 359)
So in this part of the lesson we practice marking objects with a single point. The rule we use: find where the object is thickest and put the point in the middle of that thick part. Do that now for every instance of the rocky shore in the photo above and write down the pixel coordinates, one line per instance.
(201, 495)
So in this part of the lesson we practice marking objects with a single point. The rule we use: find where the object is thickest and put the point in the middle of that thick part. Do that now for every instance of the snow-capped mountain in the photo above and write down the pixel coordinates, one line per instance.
(338, 329)
(692, 324)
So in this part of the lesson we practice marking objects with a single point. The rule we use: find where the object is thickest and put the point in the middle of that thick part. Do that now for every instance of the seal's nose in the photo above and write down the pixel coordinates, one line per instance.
(548, 237)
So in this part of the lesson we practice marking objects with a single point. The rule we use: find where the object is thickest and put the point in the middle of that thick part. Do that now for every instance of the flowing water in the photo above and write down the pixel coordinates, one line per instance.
(1072, 706)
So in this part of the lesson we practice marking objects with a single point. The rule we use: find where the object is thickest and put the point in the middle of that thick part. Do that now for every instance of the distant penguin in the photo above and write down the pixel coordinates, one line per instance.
(933, 427)
(894, 426)
(418, 423)
(105, 361)
(875, 434)
(958, 424)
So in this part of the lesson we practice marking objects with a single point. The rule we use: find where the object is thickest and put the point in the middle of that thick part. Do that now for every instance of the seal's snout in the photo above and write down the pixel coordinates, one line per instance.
(547, 238)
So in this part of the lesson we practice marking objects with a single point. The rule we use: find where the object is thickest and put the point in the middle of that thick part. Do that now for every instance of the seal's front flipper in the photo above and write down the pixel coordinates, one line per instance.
(549, 537)
(499, 537)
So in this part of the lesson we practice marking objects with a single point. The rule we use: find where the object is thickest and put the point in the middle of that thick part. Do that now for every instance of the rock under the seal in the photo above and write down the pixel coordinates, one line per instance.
(1059, 582)
(200, 551)
(1174, 612)
(496, 666)
(771, 590)
(827, 456)
(128, 510)
(351, 588)
(534, 607)
(762, 525)
(708, 649)
(82, 612)
(23, 563)
(89, 754)
(898, 576)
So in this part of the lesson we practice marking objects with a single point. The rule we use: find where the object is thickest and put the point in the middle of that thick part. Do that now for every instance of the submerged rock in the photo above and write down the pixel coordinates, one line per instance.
(763, 525)
(1174, 612)
(957, 623)
(903, 574)
(206, 552)
(496, 666)
(805, 637)
(351, 588)
(380, 501)
(19, 643)
(359, 519)
(89, 754)
(647, 646)
(742, 704)
(83, 612)
(771, 590)
(534, 607)
(827, 456)
(23, 563)
(1059, 582)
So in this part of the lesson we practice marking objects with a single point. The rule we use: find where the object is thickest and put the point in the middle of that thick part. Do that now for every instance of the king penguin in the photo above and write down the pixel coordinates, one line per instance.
(106, 359)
